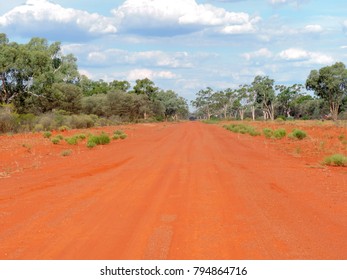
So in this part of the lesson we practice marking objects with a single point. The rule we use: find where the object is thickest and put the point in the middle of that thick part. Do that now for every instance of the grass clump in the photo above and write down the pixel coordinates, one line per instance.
(119, 134)
(298, 134)
(72, 140)
(66, 153)
(211, 121)
(94, 140)
(243, 129)
(279, 133)
(56, 140)
(336, 160)
(47, 134)
(268, 132)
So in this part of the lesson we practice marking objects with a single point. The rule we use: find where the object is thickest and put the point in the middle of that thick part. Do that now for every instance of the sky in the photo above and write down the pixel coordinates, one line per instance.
(187, 45)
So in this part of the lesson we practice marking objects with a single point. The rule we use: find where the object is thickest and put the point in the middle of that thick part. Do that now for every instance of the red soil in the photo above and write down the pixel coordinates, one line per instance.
(173, 191)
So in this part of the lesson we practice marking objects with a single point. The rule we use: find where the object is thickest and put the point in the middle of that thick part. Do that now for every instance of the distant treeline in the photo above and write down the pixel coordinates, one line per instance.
(265, 100)
(37, 80)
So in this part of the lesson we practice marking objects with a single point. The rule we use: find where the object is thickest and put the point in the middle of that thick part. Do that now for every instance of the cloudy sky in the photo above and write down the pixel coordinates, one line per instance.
(187, 45)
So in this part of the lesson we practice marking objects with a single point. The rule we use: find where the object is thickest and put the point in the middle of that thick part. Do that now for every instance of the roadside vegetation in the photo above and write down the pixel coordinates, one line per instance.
(336, 160)
(42, 90)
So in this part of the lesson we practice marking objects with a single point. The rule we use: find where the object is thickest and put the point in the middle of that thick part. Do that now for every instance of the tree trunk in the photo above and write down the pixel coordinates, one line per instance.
(253, 113)
(334, 111)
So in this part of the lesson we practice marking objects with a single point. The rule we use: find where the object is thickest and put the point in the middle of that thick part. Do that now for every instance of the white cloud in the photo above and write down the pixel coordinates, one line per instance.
(262, 53)
(160, 18)
(285, 2)
(42, 16)
(150, 74)
(156, 58)
(306, 57)
(313, 28)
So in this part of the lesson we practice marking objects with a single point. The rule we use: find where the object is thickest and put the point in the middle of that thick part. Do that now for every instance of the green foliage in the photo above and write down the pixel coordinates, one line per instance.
(336, 160)
(47, 134)
(211, 121)
(55, 140)
(330, 83)
(298, 134)
(72, 140)
(243, 129)
(94, 140)
(63, 128)
(279, 133)
(119, 134)
(268, 132)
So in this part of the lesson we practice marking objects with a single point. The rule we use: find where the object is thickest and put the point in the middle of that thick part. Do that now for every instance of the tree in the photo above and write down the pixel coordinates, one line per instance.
(204, 101)
(119, 85)
(173, 104)
(286, 97)
(146, 87)
(330, 83)
(263, 87)
(28, 71)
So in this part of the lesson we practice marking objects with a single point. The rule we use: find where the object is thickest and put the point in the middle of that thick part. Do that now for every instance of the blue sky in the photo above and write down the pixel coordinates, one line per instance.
(187, 45)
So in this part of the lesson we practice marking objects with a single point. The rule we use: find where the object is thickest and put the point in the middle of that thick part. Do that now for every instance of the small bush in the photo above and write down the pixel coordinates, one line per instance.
(72, 140)
(119, 134)
(81, 136)
(66, 153)
(94, 140)
(298, 134)
(55, 140)
(47, 134)
(63, 128)
(91, 143)
(279, 133)
(243, 129)
(60, 137)
(268, 132)
(336, 160)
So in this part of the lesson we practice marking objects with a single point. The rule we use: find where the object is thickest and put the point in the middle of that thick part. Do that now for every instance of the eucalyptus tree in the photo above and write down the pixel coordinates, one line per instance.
(204, 101)
(28, 72)
(330, 83)
(263, 87)
(174, 105)
(286, 97)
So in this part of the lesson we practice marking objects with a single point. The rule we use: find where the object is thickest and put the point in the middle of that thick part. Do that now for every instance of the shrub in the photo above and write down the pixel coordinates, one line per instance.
(63, 128)
(8, 120)
(281, 118)
(94, 140)
(72, 140)
(66, 153)
(103, 139)
(298, 134)
(243, 129)
(91, 143)
(279, 133)
(268, 132)
(119, 134)
(81, 121)
(336, 160)
(55, 140)
(47, 134)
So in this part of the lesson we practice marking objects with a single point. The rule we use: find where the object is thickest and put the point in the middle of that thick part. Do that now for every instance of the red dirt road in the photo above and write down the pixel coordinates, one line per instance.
(181, 191)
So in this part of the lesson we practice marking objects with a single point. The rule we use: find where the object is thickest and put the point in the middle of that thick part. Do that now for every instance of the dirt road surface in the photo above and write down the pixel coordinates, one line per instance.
(176, 191)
